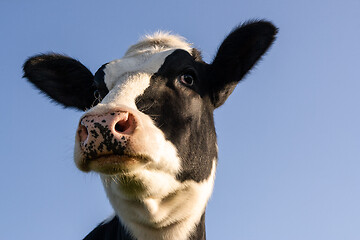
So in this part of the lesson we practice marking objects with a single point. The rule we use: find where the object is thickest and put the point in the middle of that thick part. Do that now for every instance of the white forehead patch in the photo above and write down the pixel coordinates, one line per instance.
(127, 87)
(146, 56)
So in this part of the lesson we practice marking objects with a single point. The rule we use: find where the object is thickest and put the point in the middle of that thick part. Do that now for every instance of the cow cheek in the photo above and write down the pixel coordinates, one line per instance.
(150, 141)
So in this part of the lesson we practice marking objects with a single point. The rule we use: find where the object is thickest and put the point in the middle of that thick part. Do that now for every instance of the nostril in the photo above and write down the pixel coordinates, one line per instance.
(83, 133)
(125, 125)
(122, 126)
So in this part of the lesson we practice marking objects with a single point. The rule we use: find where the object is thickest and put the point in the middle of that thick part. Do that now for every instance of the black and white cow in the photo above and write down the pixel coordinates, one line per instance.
(148, 127)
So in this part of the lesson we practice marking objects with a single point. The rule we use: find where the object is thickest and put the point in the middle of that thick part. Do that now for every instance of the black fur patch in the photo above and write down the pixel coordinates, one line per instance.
(112, 230)
(199, 233)
(100, 83)
(183, 113)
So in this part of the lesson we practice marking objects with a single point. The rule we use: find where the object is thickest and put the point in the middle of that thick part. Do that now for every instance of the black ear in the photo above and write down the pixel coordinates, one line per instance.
(63, 79)
(241, 49)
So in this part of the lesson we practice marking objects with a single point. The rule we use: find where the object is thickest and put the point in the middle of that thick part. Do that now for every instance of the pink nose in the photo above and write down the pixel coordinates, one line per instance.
(105, 134)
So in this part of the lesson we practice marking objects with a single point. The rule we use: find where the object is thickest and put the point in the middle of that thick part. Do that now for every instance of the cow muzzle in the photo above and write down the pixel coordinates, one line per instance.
(103, 142)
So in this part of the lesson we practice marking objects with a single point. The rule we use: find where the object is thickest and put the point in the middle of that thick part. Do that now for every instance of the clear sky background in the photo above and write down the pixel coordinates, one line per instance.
(289, 136)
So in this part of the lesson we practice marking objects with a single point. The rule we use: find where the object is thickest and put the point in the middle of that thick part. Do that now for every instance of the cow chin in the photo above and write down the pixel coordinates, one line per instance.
(139, 183)
(117, 164)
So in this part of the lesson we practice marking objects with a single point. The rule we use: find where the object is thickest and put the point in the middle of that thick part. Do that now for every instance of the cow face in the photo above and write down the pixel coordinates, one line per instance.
(148, 129)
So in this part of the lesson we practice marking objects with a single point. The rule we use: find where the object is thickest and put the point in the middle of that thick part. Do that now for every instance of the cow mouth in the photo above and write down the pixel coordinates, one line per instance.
(116, 164)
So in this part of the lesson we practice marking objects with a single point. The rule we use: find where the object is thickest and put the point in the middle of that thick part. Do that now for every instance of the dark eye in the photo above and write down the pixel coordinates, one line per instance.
(186, 79)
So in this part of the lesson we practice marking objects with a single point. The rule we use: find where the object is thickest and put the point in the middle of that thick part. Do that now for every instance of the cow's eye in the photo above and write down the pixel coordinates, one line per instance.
(186, 79)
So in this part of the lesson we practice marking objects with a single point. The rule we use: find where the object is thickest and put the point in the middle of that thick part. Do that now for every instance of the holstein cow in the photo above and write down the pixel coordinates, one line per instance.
(148, 127)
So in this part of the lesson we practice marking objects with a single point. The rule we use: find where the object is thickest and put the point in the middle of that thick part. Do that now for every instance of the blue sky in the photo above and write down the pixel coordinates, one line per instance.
(289, 136)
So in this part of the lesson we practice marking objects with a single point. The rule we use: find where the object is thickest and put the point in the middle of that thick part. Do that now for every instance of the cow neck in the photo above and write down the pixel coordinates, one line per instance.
(179, 215)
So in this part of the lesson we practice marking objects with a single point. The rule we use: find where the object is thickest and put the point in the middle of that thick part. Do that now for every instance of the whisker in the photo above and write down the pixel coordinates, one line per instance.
(145, 108)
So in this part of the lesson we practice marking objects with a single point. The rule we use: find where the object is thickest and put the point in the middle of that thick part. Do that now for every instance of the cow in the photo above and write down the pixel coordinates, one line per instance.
(148, 127)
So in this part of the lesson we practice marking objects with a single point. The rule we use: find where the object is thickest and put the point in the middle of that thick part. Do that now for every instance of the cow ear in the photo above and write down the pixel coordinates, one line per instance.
(241, 49)
(63, 79)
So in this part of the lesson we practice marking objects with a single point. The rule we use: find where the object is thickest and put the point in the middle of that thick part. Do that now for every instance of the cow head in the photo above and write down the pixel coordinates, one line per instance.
(148, 127)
